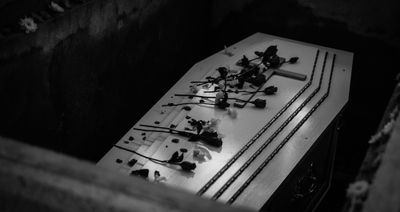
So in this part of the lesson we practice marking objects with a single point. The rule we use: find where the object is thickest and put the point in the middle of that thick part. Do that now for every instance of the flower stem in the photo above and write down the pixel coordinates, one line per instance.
(186, 103)
(210, 97)
(166, 128)
(255, 59)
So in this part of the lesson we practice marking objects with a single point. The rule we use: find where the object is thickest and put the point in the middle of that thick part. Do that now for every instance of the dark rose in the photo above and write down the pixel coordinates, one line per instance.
(175, 158)
(274, 62)
(260, 103)
(187, 108)
(211, 138)
(223, 72)
(259, 80)
(143, 173)
(187, 166)
(293, 60)
(194, 137)
(270, 51)
(132, 162)
(244, 62)
(240, 84)
(222, 104)
(270, 90)
(157, 174)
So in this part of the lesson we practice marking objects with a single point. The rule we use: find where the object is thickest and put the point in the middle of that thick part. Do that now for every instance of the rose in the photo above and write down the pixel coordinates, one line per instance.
(187, 166)
(223, 72)
(240, 83)
(222, 104)
(143, 173)
(219, 97)
(221, 85)
(270, 90)
(194, 89)
(270, 51)
(274, 62)
(211, 138)
(260, 103)
(244, 62)
(175, 158)
(293, 60)
(259, 79)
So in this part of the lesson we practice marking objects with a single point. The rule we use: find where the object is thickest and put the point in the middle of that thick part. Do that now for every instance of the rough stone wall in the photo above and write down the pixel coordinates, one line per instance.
(374, 18)
(84, 77)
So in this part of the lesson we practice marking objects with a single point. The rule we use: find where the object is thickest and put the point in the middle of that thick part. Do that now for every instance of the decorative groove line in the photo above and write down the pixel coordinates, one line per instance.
(273, 136)
(286, 139)
(259, 133)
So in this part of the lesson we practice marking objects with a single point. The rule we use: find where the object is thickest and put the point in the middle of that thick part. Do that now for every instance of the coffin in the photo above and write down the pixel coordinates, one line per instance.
(272, 159)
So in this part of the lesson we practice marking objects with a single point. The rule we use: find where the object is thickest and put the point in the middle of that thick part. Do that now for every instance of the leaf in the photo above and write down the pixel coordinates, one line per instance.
(174, 158)
(132, 162)
(258, 53)
(199, 127)
(194, 138)
(185, 134)
(180, 158)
